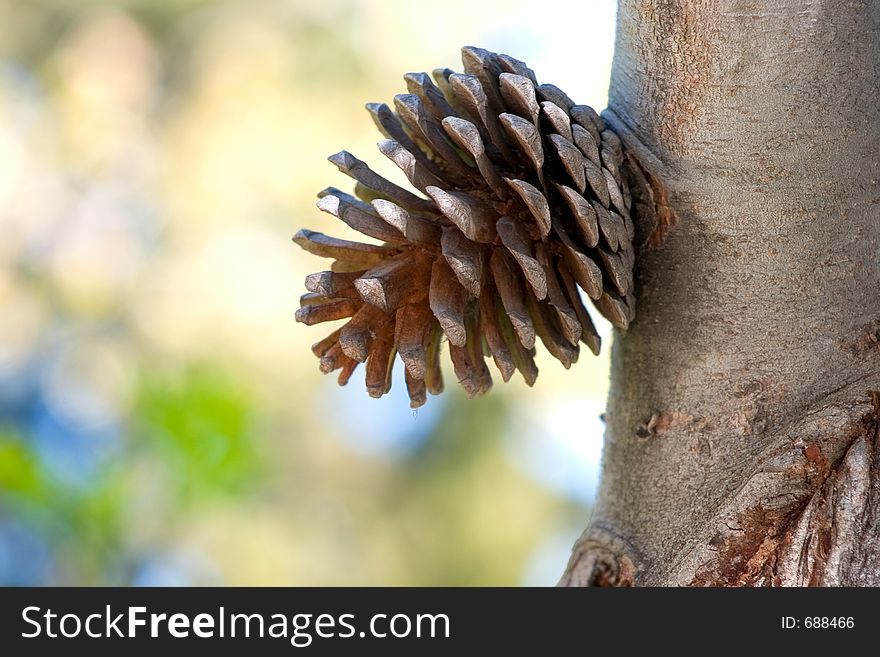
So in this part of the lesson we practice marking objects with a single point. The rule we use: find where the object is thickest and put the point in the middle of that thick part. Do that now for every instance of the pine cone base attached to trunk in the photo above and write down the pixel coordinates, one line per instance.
(523, 204)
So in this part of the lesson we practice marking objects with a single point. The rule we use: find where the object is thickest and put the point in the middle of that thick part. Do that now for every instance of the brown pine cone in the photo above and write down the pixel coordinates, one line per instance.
(525, 204)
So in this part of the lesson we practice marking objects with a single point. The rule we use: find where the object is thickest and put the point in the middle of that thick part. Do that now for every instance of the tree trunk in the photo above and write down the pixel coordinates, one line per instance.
(742, 426)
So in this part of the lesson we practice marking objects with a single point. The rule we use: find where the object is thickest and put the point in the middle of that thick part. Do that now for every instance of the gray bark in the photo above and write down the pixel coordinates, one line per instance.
(742, 425)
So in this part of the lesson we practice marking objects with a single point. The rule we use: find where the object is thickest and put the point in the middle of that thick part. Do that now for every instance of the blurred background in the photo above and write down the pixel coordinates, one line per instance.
(162, 420)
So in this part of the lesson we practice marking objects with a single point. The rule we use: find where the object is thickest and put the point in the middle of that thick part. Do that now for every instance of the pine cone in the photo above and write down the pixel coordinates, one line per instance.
(525, 204)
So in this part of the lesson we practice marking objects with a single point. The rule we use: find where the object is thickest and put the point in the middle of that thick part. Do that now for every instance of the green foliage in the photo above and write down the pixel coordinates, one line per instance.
(86, 522)
(19, 470)
(199, 425)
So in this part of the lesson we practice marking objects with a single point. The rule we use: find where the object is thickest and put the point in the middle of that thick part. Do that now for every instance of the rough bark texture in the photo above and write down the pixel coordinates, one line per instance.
(742, 427)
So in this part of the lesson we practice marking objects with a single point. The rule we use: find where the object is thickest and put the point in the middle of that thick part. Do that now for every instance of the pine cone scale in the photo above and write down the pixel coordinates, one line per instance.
(464, 257)
(516, 239)
(535, 201)
(447, 299)
(513, 297)
(518, 94)
(558, 120)
(411, 325)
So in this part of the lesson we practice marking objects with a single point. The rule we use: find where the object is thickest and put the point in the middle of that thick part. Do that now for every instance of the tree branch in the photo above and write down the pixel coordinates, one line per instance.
(741, 441)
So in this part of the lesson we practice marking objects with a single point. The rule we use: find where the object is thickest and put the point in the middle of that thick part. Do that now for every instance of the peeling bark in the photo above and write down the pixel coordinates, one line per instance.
(742, 425)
